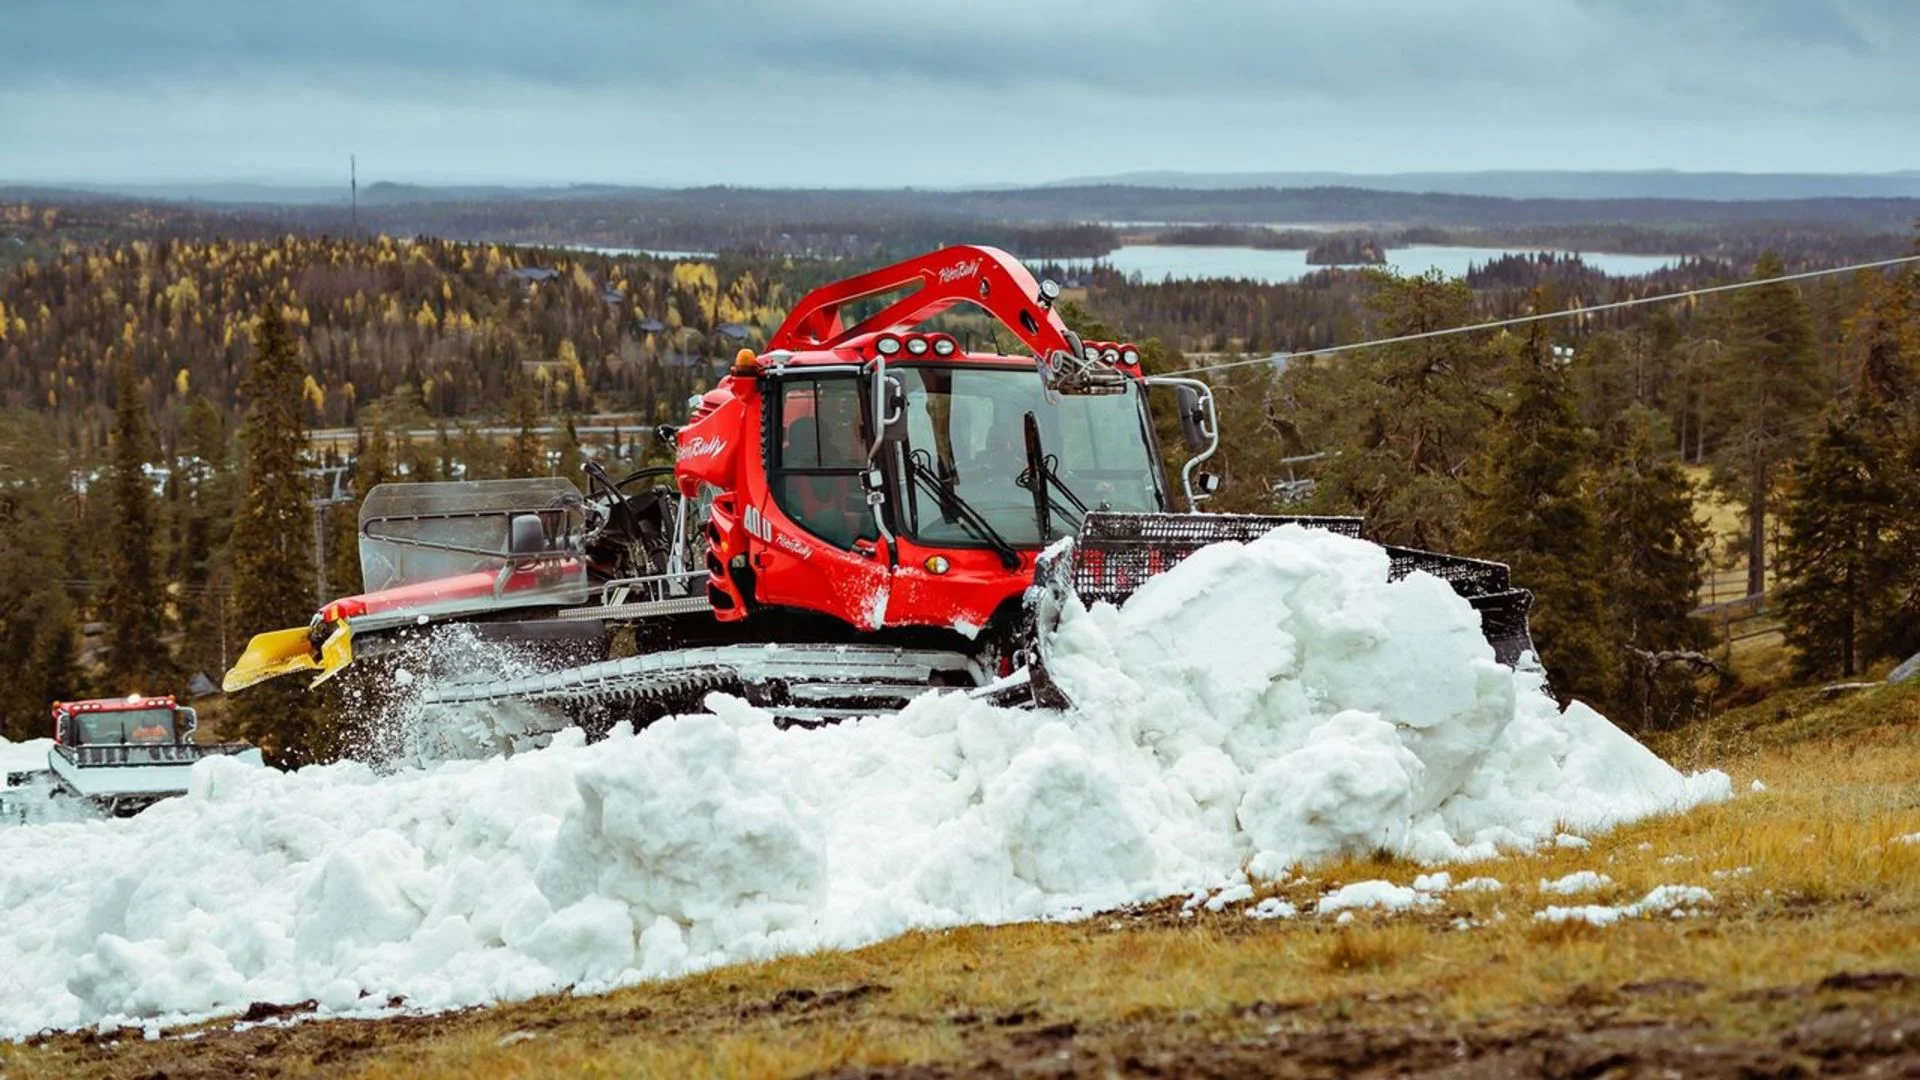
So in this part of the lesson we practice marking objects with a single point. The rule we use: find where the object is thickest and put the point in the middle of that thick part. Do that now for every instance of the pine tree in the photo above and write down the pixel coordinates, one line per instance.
(566, 446)
(373, 465)
(479, 455)
(1769, 383)
(1886, 403)
(1532, 510)
(137, 656)
(1832, 557)
(1653, 563)
(443, 454)
(207, 503)
(53, 669)
(273, 576)
(38, 637)
(1602, 374)
(526, 456)
(1400, 423)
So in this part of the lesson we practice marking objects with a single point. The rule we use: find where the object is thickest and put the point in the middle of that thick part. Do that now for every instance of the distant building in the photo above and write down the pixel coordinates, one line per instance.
(532, 276)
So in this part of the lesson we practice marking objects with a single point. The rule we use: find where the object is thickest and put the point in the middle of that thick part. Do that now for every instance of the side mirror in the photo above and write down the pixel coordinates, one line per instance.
(893, 426)
(1193, 418)
(526, 536)
(185, 723)
(889, 405)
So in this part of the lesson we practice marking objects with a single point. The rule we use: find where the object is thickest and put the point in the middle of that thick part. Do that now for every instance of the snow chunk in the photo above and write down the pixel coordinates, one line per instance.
(1373, 895)
(1272, 908)
(1577, 882)
(1232, 894)
(1674, 900)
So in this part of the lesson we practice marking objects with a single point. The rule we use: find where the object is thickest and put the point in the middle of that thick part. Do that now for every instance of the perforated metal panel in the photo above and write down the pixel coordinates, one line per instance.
(1116, 553)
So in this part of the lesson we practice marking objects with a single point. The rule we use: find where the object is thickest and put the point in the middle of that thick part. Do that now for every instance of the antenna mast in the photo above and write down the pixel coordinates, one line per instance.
(353, 183)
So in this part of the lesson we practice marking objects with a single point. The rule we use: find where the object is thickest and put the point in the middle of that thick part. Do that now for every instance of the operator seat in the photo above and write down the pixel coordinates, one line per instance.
(830, 506)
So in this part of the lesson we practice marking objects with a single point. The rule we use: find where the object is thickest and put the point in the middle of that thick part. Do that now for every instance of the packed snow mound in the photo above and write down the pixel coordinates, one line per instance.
(23, 756)
(1259, 706)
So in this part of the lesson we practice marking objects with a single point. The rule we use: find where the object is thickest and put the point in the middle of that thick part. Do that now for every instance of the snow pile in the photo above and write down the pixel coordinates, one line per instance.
(1258, 707)
(23, 756)
(1674, 900)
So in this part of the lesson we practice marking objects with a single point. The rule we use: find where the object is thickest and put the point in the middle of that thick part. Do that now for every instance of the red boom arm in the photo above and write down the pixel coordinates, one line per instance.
(985, 277)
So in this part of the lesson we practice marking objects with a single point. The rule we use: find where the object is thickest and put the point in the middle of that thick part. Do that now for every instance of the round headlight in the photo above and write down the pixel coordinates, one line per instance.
(943, 346)
(917, 346)
(1110, 354)
(886, 345)
(1050, 290)
(1130, 357)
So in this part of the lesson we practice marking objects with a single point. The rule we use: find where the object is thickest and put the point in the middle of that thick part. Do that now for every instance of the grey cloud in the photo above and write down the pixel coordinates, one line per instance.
(626, 89)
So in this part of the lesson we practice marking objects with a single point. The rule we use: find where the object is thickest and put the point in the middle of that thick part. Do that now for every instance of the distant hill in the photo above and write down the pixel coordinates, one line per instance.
(1052, 222)
(1517, 184)
(1648, 184)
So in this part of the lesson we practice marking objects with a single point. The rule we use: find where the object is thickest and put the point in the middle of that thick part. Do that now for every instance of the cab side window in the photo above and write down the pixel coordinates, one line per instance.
(821, 454)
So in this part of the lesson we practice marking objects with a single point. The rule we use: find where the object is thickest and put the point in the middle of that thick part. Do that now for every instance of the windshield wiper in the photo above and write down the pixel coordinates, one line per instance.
(962, 509)
(1041, 479)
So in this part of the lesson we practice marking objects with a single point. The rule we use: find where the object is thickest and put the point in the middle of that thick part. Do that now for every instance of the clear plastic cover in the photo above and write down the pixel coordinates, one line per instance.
(418, 536)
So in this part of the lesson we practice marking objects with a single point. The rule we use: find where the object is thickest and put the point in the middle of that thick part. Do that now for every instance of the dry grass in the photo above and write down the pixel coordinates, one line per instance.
(1807, 877)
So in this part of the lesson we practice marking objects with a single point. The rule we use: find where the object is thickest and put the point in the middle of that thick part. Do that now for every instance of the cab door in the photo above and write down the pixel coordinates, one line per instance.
(818, 544)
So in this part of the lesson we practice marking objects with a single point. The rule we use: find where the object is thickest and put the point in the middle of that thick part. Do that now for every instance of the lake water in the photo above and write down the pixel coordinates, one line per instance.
(658, 253)
(1154, 262)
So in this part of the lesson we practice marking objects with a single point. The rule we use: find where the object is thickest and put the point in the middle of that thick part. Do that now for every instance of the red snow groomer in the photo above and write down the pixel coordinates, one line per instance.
(120, 755)
(855, 514)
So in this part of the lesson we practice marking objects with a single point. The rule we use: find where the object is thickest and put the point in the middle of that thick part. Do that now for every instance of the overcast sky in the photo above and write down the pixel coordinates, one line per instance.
(887, 92)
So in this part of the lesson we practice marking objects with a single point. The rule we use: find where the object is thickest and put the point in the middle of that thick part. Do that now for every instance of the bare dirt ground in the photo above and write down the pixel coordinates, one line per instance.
(1850, 1023)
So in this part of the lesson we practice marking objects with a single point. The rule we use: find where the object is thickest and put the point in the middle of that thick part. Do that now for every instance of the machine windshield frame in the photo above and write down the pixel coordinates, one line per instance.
(1102, 445)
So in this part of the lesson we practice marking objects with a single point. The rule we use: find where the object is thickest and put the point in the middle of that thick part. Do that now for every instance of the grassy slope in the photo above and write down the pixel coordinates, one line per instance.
(1830, 893)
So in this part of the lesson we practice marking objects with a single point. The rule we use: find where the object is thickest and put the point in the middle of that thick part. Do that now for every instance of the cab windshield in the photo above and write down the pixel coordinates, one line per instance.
(966, 450)
(126, 726)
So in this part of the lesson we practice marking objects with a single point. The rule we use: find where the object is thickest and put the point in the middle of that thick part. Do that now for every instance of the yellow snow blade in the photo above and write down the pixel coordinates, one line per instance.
(270, 655)
(335, 653)
(283, 652)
